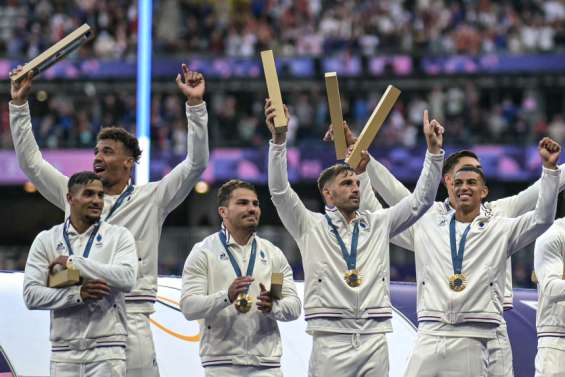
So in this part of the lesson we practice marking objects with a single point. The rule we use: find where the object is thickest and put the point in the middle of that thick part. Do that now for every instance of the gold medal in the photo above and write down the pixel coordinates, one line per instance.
(353, 278)
(457, 282)
(243, 303)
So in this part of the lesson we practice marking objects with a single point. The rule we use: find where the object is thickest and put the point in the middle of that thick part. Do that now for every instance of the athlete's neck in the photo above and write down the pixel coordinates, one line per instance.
(467, 215)
(115, 189)
(81, 225)
(348, 215)
(240, 235)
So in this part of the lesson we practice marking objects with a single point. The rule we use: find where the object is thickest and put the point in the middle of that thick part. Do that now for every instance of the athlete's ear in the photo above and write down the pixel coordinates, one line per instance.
(327, 196)
(484, 192)
(222, 211)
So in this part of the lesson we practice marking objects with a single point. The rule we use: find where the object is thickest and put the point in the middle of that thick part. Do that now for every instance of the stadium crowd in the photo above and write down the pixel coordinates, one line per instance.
(63, 120)
(292, 27)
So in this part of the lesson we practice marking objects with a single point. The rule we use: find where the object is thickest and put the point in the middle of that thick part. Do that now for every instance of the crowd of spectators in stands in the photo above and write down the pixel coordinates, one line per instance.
(292, 27)
(472, 116)
(322, 27)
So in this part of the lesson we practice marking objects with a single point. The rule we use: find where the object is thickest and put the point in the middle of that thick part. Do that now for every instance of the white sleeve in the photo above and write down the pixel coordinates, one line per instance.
(548, 263)
(195, 302)
(177, 184)
(524, 229)
(405, 239)
(50, 182)
(369, 201)
(288, 308)
(385, 183)
(37, 296)
(524, 201)
(120, 273)
(412, 207)
(292, 212)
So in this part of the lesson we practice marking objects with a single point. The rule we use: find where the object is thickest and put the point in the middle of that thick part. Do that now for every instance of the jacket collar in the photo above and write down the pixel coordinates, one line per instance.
(231, 241)
(73, 232)
(339, 220)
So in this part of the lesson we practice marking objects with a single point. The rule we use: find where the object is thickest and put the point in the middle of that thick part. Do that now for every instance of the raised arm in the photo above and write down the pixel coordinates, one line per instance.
(368, 200)
(120, 273)
(385, 183)
(412, 207)
(195, 302)
(176, 185)
(50, 182)
(37, 296)
(526, 228)
(524, 201)
(288, 308)
(292, 212)
(548, 262)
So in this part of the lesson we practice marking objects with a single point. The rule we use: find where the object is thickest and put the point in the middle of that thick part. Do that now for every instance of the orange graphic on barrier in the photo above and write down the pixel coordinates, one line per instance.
(187, 338)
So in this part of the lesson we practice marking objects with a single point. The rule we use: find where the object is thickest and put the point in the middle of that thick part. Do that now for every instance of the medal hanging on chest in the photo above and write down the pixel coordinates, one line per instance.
(243, 302)
(457, 281)
(352, 277)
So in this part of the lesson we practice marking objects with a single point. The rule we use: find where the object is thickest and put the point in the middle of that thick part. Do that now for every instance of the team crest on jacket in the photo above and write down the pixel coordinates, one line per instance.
(60, 246)
(263, 256)
(223, 256)
(99, 240)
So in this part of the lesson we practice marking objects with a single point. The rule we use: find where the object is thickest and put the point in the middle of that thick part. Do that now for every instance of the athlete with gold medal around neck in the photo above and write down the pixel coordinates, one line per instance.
(141, 209)
(461, 259)
(345, 255)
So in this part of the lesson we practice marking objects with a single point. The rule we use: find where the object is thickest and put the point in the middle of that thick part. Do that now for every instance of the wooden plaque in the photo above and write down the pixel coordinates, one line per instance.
(336, 115)
(276, 285)
(55, 53)
(373, 125)
(64, 278)
(274, 90)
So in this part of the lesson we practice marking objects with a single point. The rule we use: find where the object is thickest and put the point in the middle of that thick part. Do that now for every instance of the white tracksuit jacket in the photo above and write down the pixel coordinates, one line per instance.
(548, 262)
(392, 191)
(79, 327)
(327, 296)
(230, 337)
(142, 213)
(491, 240)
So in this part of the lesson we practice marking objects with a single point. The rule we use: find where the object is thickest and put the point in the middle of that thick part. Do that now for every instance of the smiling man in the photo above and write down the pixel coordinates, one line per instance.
(88, 321)
(392, 191)
(461, 259)
(141, 209)
(345, 255)
(226, 282)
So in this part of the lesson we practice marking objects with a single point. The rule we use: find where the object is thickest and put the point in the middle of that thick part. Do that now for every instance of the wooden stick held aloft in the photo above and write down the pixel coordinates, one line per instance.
(336, 115)
(274, 90)
(373, 125)
(55, 53)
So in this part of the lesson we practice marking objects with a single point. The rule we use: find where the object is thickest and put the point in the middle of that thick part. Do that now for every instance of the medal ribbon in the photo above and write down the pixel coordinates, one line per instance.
(233, 261)
(349, 257)
(88, 244)
(119, 201)
(457, 255)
